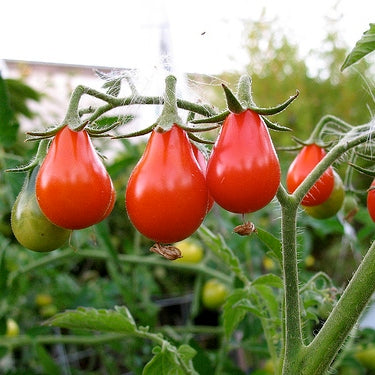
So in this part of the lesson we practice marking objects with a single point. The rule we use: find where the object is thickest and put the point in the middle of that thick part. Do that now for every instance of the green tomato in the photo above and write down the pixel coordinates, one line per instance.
(12, 329)
(366, 357)
(191, 251)
(214, 294)
(30, 227)
(332, 205)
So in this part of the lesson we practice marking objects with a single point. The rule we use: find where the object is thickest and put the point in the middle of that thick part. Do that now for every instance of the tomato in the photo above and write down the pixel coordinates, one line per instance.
(350, 207)
(302, 165)
(191, 251)
(332, 205)
(202, 161)
(30, 226)
(243, 171)
(12, 328)
(73, 187)
(371, 201)
(366, 357)
(166, 197)
(43, 299)
(214, 294)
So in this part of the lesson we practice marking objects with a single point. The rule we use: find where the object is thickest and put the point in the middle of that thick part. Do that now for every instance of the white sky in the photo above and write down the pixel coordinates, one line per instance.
(205, 36)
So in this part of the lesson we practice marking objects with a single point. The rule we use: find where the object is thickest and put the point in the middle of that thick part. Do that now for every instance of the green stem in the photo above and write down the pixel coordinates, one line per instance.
(320, 353)
(67, 254)
(293, 330)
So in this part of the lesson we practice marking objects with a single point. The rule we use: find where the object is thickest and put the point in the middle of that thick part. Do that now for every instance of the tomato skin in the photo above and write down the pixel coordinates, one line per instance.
(302, 165)
(243, 171)
(73, 187)
(191, 251)
(371, 201)
(30, 226)
(332, 205)
(166, 196)
(202, 161)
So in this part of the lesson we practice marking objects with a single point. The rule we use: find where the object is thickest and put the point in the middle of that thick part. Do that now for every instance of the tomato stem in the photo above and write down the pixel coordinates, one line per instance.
(169, 115)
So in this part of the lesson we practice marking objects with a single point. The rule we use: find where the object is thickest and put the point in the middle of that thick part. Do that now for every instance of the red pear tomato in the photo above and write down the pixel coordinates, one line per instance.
(243, 172)
(371, 200)
(167, 197)
(73, 188)
(302, 165)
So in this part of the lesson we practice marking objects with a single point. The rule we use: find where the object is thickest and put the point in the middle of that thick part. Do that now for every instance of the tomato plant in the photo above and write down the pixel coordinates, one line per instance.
(166, 196)
(302, 165)
(214, 294)
(30, 226)
(73, 187)
(243, 171)
(332, 205)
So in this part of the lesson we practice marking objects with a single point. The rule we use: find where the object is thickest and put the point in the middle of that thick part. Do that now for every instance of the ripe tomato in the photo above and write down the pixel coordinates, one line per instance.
(191, 251)
(332, 205)
(167, 197)
(30, 227)
(371, 201)
(301, 167)
(203, 164)
(243, 171)
(214, 294)
(73, 187)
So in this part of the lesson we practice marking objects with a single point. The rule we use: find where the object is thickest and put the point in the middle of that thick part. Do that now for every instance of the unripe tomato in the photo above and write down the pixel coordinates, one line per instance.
(243, 171)
(167, 197)
(371, 201)
(191, 251)
(366, 357)
(73, 187)
(30, 226)
(214, 294)
(43, 299)
(12, 328)
(332, 205)
(302, 165)
(350, 207)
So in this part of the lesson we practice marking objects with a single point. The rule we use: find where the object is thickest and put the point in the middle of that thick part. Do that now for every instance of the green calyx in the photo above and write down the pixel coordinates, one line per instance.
(244, 101)
(169, 115)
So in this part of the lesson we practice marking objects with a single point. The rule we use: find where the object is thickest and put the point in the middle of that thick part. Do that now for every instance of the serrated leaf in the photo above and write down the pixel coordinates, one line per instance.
(164, 362)
(247, 305)
(271, 242)
(186, 352)
(232, 317)
(269, 279)
(266, 293)
(362, 48)
(119, 321)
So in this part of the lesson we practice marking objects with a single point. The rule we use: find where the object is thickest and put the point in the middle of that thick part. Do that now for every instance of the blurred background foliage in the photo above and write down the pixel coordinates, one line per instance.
(35, 286)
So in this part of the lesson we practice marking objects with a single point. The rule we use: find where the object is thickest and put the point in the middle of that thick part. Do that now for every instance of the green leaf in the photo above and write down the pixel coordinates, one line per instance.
(164, 362)
(268, 296)
(362, 48)
(4, 273)
(232, 316)
(271, 242)
(247, 305)
(118, 320)
(8, 124)
(186, 352)
(46, 361)
(270, 280)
